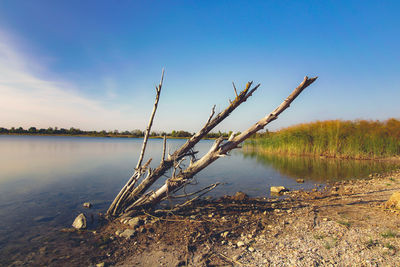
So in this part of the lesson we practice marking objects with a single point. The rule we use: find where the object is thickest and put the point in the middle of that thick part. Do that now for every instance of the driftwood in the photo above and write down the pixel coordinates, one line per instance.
(133, 198)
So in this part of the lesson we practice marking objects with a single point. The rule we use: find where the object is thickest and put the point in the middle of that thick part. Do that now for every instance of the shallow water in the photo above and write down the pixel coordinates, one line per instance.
(44, 180)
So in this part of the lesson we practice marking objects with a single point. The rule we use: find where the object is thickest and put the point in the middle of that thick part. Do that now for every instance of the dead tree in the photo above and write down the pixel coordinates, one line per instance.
(134, 197)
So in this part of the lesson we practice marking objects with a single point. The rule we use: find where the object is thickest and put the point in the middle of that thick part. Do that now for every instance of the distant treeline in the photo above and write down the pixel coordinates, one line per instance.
(334, 138)
(77, 132)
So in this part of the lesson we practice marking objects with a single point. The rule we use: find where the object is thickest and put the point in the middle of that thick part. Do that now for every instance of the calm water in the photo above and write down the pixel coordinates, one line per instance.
(45, 180)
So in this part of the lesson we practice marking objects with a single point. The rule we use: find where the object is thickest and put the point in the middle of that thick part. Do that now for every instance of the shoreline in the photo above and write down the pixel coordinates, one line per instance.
(343, 223)
(104, 136)
(260, 150)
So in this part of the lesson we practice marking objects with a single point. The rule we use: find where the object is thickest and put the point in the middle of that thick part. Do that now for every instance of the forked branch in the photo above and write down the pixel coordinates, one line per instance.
(218, 149)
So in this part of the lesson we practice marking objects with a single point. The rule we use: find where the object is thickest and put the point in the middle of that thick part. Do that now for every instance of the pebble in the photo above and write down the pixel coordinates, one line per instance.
(87, 205)
(240, 244)
(225, 234)
(251, 249)
(118, 232)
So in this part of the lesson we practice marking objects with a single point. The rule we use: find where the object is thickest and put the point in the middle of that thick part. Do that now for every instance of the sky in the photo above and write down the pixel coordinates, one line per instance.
(93, 64)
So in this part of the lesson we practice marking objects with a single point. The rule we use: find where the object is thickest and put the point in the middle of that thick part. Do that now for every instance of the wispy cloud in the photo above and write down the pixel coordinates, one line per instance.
(28, 99)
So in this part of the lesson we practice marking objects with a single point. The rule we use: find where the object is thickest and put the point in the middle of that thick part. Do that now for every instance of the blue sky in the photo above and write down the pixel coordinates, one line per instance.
(94, 64)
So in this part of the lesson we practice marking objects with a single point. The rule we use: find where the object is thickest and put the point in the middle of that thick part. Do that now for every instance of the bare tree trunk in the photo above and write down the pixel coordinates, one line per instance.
(131, 194)
(133, 198)
(219, 149)
(138, 170)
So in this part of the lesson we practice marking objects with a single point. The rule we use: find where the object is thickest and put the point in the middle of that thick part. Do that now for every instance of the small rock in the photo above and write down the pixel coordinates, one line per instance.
(101, 264)
(240, 244)
(128, 233)
(225, 234)
(278, 189)
(79, 222)
(87, 205)
(211, 215)
(300, 181)
(251, 249)
(118, 233)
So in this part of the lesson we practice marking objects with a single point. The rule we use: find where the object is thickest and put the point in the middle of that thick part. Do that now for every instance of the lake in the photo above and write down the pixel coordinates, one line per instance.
(45, 179)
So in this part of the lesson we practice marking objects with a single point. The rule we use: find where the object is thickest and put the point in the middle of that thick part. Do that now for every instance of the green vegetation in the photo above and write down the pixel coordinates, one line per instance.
(389, 246)
(345, 223)
(371, 243)
(77, 132)
(319, 236)
(388, 233)
(336, 138)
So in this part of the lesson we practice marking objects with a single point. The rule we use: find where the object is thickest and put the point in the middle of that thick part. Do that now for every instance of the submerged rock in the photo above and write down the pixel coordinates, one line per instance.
(240, 196)
(43, 218)
(79, 222)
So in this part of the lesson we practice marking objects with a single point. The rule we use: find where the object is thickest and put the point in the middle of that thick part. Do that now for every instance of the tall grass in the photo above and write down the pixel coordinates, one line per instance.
(334, 138)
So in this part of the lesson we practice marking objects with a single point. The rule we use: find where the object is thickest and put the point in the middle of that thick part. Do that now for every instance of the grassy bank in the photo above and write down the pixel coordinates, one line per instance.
(335, 138)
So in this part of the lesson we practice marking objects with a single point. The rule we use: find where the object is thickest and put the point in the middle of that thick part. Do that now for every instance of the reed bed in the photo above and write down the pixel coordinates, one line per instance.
(334, 138)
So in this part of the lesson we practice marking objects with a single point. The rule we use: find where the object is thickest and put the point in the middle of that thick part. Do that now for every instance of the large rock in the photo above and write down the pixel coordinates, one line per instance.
(79, 222)
(393, 202)
(278, 189)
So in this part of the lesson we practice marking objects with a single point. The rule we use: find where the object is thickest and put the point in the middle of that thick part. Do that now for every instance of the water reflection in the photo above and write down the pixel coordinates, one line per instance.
(44, 180)
(321, 169)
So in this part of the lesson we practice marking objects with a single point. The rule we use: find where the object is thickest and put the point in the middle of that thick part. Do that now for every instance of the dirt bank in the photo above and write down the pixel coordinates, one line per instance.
(342, 224)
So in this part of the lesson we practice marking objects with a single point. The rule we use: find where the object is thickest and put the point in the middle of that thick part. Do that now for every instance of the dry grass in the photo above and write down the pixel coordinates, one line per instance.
(335, 138)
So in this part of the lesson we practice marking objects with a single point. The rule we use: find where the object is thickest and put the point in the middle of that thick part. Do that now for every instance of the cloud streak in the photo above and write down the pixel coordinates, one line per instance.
(26, 99)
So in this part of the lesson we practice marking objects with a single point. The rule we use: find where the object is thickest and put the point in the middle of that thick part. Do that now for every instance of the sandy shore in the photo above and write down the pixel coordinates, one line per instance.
(342, 224)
